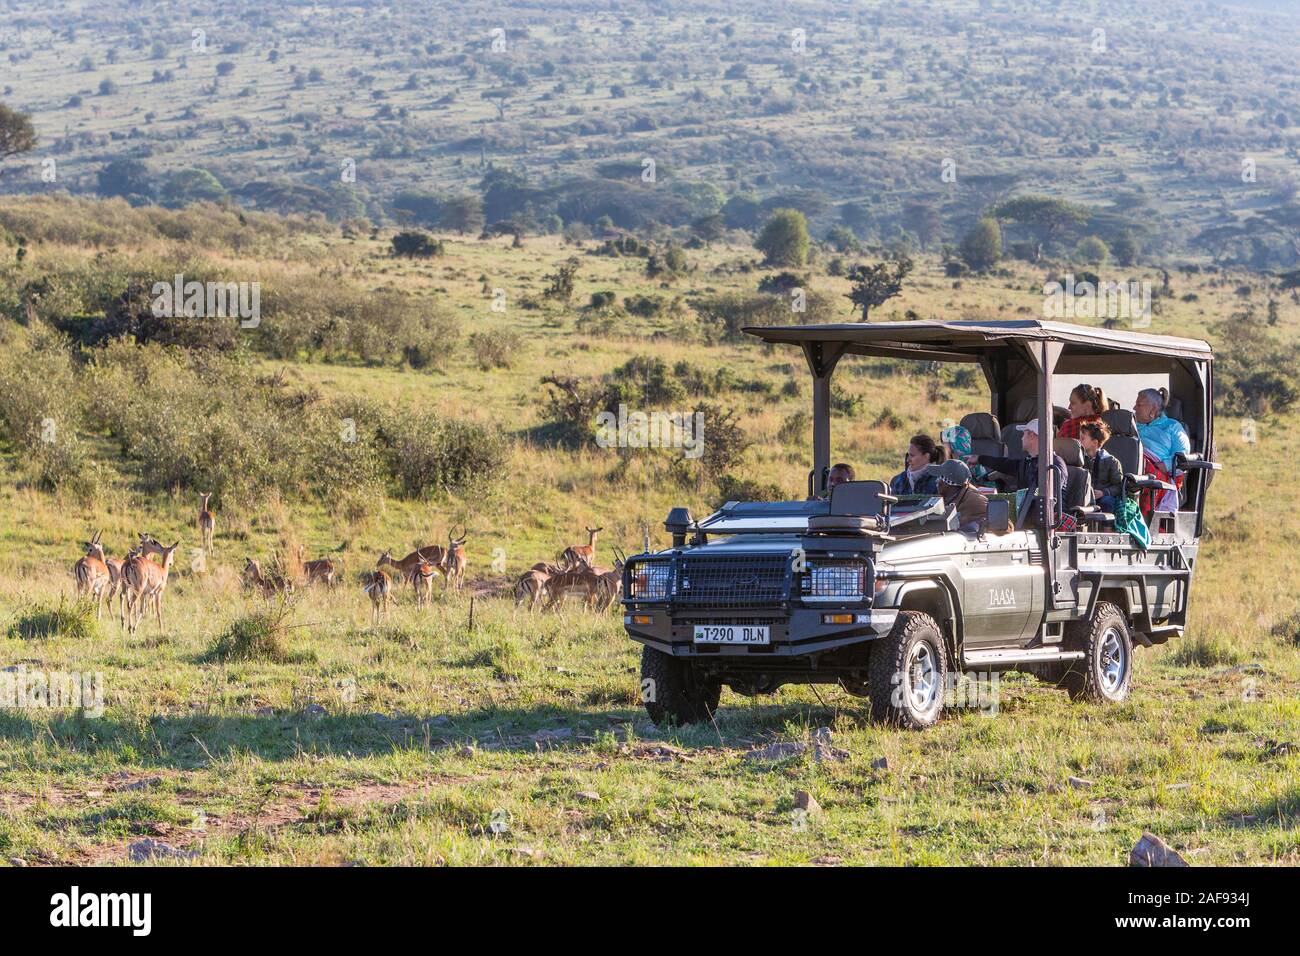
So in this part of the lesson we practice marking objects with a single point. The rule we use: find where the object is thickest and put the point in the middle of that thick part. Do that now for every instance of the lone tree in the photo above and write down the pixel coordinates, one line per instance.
(982, 246)
(561, 281)
(784, 239)
(415, 245)
(876, 285)
(17, 135)
(1044, 216)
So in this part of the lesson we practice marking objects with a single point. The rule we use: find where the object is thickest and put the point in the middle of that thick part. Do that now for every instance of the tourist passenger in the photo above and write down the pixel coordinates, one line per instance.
(1086, 405)
(1161, 436)
(913, 480)
(1106, 471)
(1024, 471)
(839, 473)
(956, 490)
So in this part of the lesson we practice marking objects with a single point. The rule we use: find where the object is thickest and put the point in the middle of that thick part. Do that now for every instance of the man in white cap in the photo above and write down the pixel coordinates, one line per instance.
(1025, 470)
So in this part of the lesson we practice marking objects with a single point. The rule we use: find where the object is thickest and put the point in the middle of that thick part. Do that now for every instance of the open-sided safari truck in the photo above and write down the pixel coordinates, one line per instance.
(886, 597)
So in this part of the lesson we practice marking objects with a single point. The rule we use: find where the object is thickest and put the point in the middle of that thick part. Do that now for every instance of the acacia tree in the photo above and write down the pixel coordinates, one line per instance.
(1047, 217)
(876, 285)
(17, 135)
(784, 239)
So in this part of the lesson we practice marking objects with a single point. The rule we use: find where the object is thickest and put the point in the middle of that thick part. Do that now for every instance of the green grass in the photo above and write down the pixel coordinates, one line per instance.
(319, 739)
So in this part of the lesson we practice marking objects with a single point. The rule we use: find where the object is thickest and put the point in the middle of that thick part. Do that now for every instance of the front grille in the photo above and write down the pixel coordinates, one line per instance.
(734, 581)
(724, 621)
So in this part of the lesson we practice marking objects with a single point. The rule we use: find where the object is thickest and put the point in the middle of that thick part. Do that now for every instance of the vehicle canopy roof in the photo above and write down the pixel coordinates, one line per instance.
(970, 340)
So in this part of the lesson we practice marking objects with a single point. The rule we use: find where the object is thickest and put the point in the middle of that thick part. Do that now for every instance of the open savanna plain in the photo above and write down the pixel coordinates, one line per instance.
(519, 738)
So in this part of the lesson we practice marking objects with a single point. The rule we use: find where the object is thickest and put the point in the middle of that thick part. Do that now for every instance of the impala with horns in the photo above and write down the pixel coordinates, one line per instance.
(454, 561)
(584, 554)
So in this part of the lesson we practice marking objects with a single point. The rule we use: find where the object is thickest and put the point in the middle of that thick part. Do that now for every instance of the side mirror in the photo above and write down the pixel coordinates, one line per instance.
(999, 515)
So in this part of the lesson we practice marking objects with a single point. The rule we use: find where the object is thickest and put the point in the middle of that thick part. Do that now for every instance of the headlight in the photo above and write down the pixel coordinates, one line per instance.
(835, 582)
(650, 581)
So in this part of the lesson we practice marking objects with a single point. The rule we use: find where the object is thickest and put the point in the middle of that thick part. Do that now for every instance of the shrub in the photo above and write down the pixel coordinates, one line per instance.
(429, 454)
(72, 619)
(496, 349)
(416, 245)
(260, 636)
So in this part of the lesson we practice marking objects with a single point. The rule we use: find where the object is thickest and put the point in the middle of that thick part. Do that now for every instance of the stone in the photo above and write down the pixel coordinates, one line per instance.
(147, 783)
(1153, 851)
(1078, 783)
(591, 796)
(148, 849)
(777, 751)
(880, 763)
(803, 800)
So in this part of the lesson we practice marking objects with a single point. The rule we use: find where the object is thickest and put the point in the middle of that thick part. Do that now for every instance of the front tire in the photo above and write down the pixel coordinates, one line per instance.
(1105, 675)
(673, 691)
(908, 672)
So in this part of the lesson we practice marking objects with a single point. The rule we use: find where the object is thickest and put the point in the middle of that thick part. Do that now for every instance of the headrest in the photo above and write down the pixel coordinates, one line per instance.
(1070, 450)
(982, 425)
(859, 498)
(1174, 408)
(1121, 422)
(1025, 408)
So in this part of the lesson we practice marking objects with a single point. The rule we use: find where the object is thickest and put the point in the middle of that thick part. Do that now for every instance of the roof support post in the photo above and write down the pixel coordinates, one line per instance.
(1048, 354)
(822, 358)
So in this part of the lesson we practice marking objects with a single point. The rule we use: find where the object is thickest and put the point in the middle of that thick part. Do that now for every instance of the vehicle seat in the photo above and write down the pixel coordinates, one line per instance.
(1070, 450)
(1012, 443)
(1078, 487)
(985, 438)
(1123, 442)
(862, 498)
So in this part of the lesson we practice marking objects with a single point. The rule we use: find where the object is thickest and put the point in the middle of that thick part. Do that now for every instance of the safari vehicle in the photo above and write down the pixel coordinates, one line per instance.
(886, 597)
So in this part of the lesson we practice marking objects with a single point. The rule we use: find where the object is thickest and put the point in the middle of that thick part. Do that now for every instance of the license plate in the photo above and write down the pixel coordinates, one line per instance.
(732, 634)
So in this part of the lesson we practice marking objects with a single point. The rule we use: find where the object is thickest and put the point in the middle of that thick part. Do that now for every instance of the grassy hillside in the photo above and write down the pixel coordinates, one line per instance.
(521, 740)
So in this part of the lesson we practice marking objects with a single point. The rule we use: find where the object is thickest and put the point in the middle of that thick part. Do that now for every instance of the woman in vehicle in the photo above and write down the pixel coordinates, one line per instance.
(957, 445)
(913, 479)
(1086, 405)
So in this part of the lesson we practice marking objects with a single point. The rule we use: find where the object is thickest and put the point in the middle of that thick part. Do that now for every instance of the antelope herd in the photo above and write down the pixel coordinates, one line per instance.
(138, 580)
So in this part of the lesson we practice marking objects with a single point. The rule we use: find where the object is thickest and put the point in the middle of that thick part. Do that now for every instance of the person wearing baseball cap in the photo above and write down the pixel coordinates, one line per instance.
(955, 489)
(1025, 470)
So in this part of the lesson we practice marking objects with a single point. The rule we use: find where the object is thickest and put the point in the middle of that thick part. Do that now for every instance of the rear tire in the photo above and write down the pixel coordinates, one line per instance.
(1105, 675)
(908, 673)
(673, 691)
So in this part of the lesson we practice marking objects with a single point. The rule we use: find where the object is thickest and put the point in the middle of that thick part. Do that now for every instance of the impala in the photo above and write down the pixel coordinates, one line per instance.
(323, 570)
(610, 587)
(577, 554)
(531, 587)
(207, 524)
(580, 578)
(145, 581)
(92, 574)
(422, 581)
(268, 583)
(454, 561)
(430, 554)
(379, 586)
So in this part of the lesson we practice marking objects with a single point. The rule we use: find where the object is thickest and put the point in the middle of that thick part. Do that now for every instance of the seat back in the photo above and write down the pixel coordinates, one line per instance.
(864, 498)
(1025, 409)
(1121, 422)
(1078, 487)
(1011, 441)
(1128, 449)
(985, 438)
(1070, 450)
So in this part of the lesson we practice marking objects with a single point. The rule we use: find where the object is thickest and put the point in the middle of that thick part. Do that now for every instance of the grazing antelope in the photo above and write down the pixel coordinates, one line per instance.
(453, 563)
(585, 554)
(207, 524)
(531, 587)
(323, 570)
(92, 574)
(145, 582)
(430, 554)
(267, 583)
(547, 569)
(610, 588)
(580, 578)
(379, 586)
